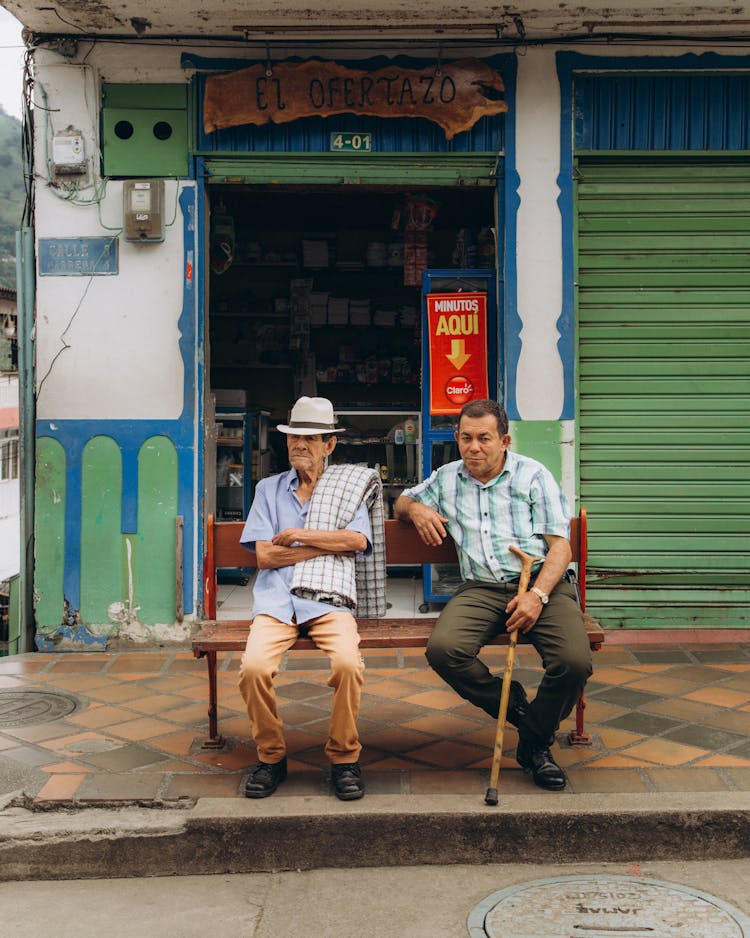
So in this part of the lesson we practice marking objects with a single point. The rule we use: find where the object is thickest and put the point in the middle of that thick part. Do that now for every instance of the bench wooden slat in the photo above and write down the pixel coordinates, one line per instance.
(374, 633)
(403, 547)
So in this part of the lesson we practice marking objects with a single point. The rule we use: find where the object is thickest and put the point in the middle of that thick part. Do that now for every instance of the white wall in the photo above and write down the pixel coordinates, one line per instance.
(539, 386)
(107, 346)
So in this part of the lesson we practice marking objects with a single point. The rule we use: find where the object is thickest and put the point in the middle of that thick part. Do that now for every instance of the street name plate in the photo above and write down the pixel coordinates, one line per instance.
(605, 907)
(77, 257)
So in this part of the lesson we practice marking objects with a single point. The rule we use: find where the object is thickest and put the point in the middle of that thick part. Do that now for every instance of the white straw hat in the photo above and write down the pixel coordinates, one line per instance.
(310, 415)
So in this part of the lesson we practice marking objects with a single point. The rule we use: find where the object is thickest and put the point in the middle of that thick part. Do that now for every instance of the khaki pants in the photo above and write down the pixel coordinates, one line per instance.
(334, 633)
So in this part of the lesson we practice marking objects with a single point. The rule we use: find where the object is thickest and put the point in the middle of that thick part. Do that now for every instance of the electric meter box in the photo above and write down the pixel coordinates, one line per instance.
(143, 209)
(144, 131)
(68, 154)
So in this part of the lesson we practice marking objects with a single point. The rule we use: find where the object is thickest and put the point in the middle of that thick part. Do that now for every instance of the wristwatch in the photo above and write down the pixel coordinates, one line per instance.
(543, 596)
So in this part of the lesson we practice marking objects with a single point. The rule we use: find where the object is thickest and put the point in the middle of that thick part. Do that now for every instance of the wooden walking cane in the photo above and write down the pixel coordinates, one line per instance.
(527, 562)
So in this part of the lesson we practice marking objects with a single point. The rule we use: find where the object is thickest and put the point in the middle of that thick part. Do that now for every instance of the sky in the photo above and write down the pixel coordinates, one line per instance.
(11, 63)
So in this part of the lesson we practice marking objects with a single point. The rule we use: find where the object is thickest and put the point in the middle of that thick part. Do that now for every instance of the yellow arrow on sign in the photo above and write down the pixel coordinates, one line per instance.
(458, 356)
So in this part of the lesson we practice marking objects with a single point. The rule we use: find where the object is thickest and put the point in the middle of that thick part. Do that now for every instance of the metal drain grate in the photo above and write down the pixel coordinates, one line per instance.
(27, 707)
(604, 907)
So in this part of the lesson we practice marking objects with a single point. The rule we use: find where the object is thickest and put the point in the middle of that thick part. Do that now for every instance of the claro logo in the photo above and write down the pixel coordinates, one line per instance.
(459, 390)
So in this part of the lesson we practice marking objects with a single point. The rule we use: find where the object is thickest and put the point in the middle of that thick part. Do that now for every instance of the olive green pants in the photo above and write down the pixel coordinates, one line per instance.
(476, 614)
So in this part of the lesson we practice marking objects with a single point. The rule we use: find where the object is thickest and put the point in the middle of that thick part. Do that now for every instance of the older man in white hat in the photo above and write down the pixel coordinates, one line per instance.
(288, 598)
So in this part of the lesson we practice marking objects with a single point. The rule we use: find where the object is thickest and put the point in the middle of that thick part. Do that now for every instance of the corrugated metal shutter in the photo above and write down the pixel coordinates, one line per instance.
(664, 359)
(651, 111)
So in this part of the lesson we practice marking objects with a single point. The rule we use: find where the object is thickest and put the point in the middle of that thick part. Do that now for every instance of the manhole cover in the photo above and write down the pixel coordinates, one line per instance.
(25, 707)
(604, 907)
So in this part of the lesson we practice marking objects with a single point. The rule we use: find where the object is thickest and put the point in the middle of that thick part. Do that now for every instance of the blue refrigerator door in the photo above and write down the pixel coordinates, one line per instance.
(438, 428)
(233, 480)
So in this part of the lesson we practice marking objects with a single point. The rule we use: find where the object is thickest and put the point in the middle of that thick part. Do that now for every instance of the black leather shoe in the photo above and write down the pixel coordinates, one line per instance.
(347, 781)
(538, 762)
(518, 704)
(265, 778)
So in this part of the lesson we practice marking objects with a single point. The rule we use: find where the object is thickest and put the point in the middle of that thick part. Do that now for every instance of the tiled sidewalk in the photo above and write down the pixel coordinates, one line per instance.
(663, 717)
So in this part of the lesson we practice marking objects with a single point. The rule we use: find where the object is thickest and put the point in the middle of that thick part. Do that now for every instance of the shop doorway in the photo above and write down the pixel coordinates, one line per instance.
(318, 291)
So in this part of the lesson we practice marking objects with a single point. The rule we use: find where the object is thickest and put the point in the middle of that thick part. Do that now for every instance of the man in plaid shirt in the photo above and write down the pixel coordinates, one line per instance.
(489, 499)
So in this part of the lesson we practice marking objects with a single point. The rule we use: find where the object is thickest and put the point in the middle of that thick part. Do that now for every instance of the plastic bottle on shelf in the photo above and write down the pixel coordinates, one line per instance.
(410, 430)
(398, 434)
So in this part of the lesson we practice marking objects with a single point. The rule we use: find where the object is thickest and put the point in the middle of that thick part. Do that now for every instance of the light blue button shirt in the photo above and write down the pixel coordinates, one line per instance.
(518, 506)
(276, 507)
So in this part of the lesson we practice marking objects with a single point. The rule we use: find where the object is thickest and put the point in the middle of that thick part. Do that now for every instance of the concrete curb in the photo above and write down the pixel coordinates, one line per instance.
(238, 836)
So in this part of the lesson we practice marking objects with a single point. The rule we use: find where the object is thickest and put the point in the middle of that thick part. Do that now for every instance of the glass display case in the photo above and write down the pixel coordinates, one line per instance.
(242, 457)
(232, 458)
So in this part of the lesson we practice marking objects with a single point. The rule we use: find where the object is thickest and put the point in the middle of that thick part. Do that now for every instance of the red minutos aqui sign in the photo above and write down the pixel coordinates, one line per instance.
(457, 336)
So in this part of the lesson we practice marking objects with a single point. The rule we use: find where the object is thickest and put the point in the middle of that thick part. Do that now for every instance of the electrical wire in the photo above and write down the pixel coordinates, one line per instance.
(27, 138)
(66, 192)
(70, 192)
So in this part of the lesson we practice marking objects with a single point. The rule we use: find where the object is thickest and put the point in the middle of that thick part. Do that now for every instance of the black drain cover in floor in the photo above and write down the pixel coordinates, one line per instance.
(26, 707)
(605, 907)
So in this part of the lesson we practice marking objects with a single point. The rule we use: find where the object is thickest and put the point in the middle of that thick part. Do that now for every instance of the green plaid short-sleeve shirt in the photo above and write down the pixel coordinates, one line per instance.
(519, 506)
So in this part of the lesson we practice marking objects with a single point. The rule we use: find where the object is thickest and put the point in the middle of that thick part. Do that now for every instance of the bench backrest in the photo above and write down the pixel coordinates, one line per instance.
(402, 546)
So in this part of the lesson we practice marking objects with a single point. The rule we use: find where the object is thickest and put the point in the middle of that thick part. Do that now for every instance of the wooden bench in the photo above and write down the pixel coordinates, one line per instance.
(403, 546)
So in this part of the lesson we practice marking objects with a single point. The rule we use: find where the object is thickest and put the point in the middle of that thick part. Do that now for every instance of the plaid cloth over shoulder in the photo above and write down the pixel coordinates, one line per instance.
(357, 582)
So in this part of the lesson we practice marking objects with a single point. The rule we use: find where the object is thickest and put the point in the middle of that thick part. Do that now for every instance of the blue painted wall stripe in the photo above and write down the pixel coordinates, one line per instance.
(199, 286)
(509, 340)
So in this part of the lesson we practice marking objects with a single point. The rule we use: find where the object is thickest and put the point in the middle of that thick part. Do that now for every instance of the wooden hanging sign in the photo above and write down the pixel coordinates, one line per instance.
(455, 95)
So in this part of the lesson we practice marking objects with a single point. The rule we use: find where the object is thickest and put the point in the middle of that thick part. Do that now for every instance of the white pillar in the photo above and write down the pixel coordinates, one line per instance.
(539, 389)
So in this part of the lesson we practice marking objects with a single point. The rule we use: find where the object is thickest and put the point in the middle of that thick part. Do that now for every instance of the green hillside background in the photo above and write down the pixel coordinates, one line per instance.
(12, 196)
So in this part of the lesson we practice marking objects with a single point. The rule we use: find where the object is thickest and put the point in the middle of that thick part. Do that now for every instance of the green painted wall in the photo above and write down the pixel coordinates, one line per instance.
(101, 527)
(49, 535)
(136, 571)
(154, 552)
(539, 439)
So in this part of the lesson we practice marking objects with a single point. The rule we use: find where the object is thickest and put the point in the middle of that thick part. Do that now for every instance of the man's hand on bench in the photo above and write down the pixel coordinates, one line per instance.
(430, 524)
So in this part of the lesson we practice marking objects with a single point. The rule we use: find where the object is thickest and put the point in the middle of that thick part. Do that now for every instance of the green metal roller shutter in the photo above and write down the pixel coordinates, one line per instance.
(664, 389)
(372, 169)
